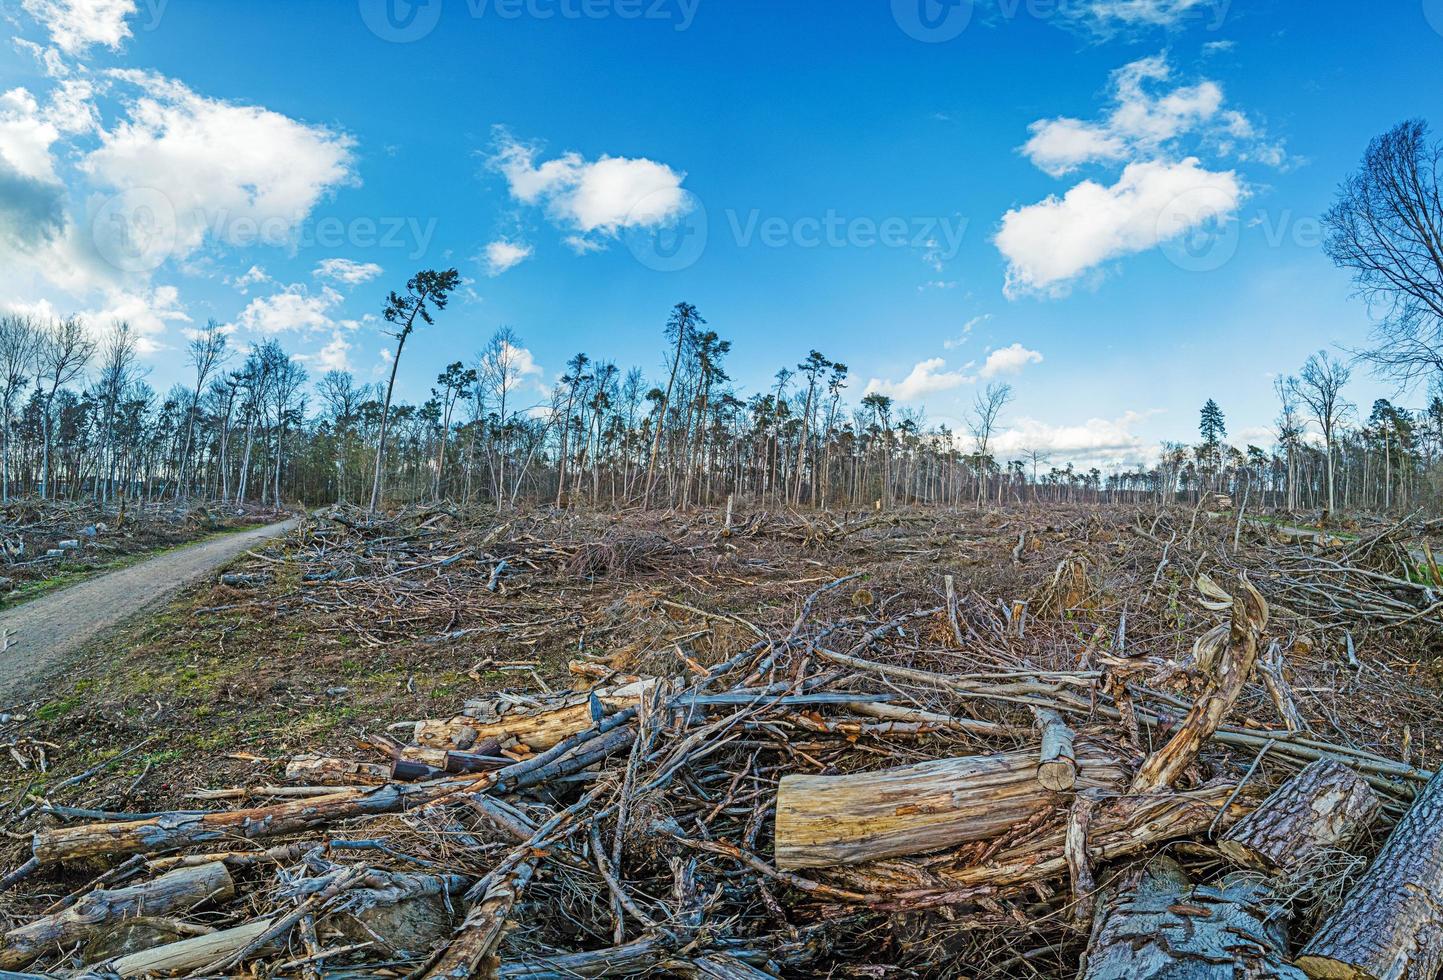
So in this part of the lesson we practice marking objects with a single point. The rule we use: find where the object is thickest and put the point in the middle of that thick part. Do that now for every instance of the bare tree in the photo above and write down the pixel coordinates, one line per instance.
(1387, 228)
(1290, 432)
(500, 369)
(1320, 385)
(117, 374)
(683, 323)
(983, 422)
(19, 342)
(64, 350)
(207, 351)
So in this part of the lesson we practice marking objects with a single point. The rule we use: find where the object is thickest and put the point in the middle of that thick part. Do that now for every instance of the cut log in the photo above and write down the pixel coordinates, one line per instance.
(1327, 805)
(1056, 766)
(823, 821)
(1232, 655)
(184, 956)
(321, 770)
(1391, 924)
(539, 730)
(1156, 924)
(175, 891)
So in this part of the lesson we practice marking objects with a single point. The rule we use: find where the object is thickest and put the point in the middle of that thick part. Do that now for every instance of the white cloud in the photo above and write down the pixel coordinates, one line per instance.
(26, 135)
(148, 312)
(1008, 360)
(1106, 17)
(1051, 243)
(502, 255)
(245, 173)
(293, 309)
(1096, 440)
(927, 377)
(967, 328)
(346, 271)
(334, 356)
(77, 25)
(1140, 122)
(254, 276)
(593, 197)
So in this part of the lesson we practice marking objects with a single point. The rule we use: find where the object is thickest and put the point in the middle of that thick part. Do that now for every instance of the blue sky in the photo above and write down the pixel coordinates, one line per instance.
(1111, 205)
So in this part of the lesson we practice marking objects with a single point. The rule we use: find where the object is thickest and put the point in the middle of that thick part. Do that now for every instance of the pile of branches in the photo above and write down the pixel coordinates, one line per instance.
(922, 793)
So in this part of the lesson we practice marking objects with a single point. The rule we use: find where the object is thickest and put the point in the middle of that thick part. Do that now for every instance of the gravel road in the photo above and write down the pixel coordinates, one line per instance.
(40, 635)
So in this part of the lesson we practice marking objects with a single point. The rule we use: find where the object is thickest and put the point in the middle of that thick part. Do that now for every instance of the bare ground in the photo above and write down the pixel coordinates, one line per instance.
(39, 636)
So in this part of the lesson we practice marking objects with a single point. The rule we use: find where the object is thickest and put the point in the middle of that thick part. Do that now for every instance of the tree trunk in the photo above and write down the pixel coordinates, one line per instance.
(182, 957)
(175, 891)
(1391, 923)
(1233, 663)
(471, 952)
(1325, 806)
(829, 820)
(1157, 924)
(1057, 762)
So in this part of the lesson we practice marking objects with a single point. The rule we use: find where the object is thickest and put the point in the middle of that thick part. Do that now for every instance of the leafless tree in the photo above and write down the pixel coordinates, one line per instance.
(1320, 385)
(117, 374)
(1387, 228)
(207, 351)
(64, 350)
(986, 409)
(19, 342)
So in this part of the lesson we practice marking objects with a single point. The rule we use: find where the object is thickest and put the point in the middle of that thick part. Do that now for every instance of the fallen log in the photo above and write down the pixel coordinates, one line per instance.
(175, 891)
(539, 730)
(1230, 651)
(1327, 805)
(823, 821)
(184, 956)
(321, 770)
(1156, 924)
(1391, 924)
(470, 953)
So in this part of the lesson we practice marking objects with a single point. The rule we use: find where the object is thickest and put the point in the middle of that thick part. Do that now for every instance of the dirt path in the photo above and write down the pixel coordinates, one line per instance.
(39, 635)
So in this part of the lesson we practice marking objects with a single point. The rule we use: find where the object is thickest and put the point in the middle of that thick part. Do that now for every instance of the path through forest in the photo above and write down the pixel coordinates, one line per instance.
(36, 637)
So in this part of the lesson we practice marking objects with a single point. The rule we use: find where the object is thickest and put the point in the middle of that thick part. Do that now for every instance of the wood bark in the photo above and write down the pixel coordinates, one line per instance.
(1156, 925)
(824, 821)
(320, 770)
(1057, 765)
(1233, 663)
(1327, 805)
(184, 956)
(1270, 669)
(538, 730)
(1391, 924)
(471, 952)
(175, 891)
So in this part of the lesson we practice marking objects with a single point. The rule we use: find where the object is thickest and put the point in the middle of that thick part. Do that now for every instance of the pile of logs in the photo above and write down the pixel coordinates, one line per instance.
(799, 809)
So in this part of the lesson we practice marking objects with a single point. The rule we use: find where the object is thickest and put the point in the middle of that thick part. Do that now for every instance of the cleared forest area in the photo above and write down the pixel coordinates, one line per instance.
(1062, 741)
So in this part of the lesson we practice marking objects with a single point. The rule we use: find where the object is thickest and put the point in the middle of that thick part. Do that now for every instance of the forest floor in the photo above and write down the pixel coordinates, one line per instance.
(348, 628)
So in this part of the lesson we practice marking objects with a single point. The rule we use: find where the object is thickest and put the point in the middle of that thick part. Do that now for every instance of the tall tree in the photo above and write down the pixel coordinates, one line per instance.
(681, 324)
(426, 290)
(986, 409)
(64, 350)
(1320, 386)
(1386, 227)
(207, 351)
(20, 339)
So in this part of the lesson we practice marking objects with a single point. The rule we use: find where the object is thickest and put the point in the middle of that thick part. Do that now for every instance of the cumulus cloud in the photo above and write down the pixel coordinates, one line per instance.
(148, 311)
(245, 173)
(78, 25)
(346, 271)
(1096, 440)
(1049, 244)
(32, 211)
(1141, 121)
(502, 255)
(927, 377)
(1008, 360)
(595, 198)
(293, 309)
